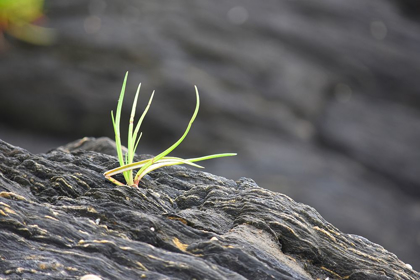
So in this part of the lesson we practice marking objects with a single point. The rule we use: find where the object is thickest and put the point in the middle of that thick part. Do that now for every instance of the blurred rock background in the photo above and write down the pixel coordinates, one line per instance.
(320, 99)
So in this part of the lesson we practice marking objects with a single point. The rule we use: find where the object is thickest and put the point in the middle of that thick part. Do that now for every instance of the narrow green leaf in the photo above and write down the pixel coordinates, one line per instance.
(177, 161)
(138, 141)
(155, 166)
(211, 157)
(176, 144)
(139, 164)
(131, 140)
(140, 122)
(116, 123)
(126, 167)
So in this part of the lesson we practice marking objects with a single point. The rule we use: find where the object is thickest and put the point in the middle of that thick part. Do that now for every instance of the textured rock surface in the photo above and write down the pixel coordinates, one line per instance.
(320, 98)
(60, 219)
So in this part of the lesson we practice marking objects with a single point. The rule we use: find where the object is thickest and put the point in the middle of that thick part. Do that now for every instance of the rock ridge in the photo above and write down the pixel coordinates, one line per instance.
(60, 219)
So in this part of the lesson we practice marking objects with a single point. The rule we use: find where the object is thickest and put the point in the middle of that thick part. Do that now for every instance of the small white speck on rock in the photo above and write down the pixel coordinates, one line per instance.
(90, 277)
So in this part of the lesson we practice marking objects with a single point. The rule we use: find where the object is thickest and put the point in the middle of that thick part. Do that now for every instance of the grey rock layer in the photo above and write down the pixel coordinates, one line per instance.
(60, 219)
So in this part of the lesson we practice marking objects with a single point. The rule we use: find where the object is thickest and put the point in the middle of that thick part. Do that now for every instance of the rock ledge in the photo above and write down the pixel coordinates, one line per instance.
(60, 219)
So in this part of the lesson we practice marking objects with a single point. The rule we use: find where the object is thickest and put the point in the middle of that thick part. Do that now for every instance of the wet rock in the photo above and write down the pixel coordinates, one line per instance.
(60, 219)
(319, 98)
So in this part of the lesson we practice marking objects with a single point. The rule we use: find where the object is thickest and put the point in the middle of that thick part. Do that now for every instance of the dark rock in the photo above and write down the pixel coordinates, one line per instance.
(320, 98)
(410, 8)
(102, 145)
(387, 143)
(60, 219)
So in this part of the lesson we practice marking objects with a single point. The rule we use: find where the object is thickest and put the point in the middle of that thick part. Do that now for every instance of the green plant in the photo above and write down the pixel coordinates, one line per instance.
(20, 19)
(127, 166)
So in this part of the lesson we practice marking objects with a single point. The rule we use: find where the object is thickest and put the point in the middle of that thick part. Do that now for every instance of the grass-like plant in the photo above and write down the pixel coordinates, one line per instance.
(20, 19)
(127, 166)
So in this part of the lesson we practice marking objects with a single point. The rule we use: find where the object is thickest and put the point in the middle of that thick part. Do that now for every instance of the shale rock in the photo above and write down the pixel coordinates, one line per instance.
(320, 99)
(60, 219)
